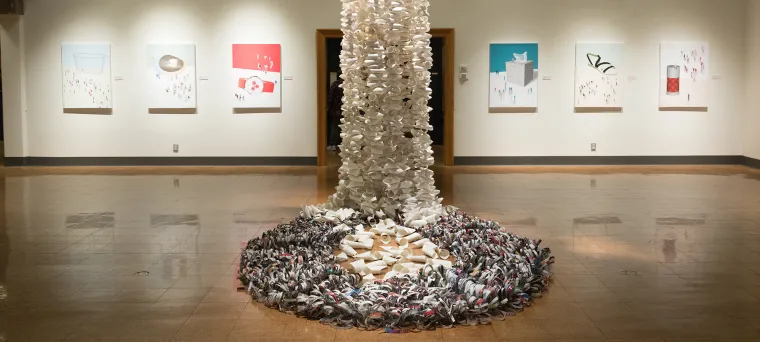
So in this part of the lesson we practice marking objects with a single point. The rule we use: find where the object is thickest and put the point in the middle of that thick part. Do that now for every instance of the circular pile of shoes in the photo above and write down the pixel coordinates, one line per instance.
(294, 268)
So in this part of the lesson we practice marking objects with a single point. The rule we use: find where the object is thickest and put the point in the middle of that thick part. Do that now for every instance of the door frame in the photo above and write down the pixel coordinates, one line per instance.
(448, 91)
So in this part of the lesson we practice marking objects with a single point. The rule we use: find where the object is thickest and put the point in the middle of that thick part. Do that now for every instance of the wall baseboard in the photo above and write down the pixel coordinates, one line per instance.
(603, 160)
(312, 161)
(752, 162)
(160, 161)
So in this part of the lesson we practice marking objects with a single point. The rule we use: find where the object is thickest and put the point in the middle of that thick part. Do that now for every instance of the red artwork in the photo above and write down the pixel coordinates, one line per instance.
(264, 57)
(257, 74)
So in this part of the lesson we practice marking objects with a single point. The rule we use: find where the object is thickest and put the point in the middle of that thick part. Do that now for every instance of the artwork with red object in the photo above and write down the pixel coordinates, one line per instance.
(257, 75)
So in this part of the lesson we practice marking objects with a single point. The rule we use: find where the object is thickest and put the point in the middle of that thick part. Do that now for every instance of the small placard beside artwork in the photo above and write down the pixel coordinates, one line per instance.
(257, 75)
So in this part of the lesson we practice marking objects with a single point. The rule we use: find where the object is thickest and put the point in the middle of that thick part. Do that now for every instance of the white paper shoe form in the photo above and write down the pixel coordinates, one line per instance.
(389, 260)
(368, 279)
(357, 266)
(412, 237)
(429, 250)
(350, 251)
(341, 257)
(420, 243)
(365, 256)
(412, 258)
(377, 263)
(359, 244)
(404, 231)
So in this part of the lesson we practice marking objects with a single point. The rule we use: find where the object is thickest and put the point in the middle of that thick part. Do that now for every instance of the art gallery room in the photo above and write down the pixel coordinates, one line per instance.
(380, 170)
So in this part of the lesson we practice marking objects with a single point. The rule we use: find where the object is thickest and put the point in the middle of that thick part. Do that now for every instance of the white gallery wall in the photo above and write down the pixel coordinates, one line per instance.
(554, 130)
(557, 25)
(213, 26)
(752, 79)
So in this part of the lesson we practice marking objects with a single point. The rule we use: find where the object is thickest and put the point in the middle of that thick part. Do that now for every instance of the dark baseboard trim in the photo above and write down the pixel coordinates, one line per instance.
(603, 160)
(752, 162)
(312, 161)
(160, 161)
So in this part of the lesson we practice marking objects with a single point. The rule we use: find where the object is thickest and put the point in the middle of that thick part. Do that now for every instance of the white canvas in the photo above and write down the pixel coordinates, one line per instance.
(171, 76)
(692, 62)
(86, 71)
(599, 71)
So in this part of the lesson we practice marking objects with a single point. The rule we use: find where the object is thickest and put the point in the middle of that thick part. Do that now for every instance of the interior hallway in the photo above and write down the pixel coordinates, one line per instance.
(149, 254)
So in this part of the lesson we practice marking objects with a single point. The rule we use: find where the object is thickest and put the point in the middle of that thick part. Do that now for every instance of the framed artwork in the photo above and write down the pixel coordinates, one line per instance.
(684, 74)
(513, 70)
(257, 76)
(86, 71)
(598, 75)
(171, 75)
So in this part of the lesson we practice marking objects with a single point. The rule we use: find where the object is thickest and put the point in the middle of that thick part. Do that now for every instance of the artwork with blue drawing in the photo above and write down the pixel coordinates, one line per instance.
(513, 75)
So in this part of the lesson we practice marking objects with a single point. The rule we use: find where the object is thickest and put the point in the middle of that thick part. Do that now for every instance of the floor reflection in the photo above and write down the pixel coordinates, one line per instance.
(150, 253)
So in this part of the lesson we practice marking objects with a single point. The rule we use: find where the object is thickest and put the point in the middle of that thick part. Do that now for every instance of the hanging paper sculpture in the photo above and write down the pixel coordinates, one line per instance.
(386, 149)
(339, 262)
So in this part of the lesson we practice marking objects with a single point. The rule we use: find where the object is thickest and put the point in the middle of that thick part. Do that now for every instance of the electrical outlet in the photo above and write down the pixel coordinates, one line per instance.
(176, 148)
(593, 147)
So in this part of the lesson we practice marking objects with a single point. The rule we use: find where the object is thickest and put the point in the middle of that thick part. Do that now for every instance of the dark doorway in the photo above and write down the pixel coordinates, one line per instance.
(333, 49)
(436, 100)
(332, 130)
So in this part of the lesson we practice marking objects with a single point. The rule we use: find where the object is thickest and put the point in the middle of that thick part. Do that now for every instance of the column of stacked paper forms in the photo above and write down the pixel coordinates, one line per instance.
(385, 61)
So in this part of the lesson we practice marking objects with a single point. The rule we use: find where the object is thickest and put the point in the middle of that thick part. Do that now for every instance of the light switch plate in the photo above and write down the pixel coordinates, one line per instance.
(288, 78)
(204, 78)
(118, 78)
(547, 78)
(631, 77)
(716, 77)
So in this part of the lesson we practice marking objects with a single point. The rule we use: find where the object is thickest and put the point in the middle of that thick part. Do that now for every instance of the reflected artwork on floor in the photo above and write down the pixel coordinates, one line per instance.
(598, 75)
(171, 75)
(86, 70)
(513, 70)
(684, 74)
(256, 69)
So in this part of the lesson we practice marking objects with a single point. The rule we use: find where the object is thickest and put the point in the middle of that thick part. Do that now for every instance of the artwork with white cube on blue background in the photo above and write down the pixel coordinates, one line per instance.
(513, 75)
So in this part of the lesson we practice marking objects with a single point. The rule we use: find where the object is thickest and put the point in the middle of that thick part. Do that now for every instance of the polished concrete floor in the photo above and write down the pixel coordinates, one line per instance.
(148, 254)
